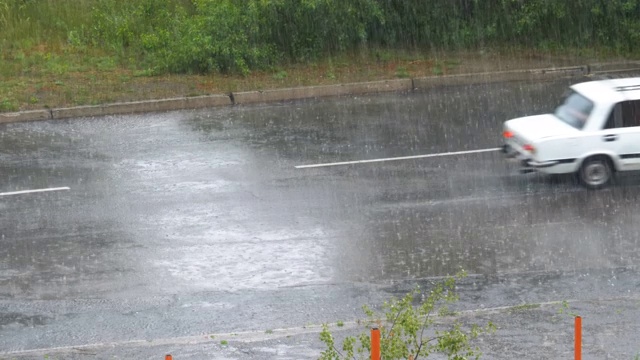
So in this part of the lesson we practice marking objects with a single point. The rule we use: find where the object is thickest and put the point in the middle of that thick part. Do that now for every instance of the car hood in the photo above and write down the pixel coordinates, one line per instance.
(538, 127)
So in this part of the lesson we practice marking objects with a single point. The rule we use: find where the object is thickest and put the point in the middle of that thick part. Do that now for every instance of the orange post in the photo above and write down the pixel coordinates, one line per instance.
(168, 357)
(578, 346)
(375, 343)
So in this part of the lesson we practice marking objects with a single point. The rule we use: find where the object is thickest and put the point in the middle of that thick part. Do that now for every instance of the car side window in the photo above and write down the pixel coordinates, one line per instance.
(624, 114)
(615, 118)
(631, 113)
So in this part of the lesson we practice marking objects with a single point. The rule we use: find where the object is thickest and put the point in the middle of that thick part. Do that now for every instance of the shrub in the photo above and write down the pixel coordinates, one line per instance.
(410, 331)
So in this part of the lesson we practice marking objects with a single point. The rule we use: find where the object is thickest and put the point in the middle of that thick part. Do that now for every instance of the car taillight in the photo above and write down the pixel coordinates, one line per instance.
(507, 134)
(529, 148)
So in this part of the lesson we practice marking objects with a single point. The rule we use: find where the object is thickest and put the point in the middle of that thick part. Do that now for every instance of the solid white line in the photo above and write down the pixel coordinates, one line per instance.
(397, 158)
(33, 191)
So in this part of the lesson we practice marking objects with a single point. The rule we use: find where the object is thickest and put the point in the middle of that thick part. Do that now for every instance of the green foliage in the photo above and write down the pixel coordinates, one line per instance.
(26, 23)
(8, 105)
(222, 36)
(145, 25)
(280, 75)
(545, 23)
(304, 30)
(5, 13)
(409, 329)
(401, 72)
(207, 36)
(417, 23)
(239, 36)
(565, 309)
(229, 36)
(437, 69)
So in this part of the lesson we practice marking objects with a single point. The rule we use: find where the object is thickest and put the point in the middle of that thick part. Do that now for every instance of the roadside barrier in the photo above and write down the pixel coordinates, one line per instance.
(578, 343)
(375, 343)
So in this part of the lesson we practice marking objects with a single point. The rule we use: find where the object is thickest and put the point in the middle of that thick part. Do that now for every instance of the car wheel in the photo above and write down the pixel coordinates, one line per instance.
(596, 172)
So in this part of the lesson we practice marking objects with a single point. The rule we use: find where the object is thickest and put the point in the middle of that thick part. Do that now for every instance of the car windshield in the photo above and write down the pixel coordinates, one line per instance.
(575, 110)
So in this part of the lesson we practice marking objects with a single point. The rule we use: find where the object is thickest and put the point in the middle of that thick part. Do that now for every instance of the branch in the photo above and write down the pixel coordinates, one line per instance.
(393, 323)
(424, 324)
(339, 353)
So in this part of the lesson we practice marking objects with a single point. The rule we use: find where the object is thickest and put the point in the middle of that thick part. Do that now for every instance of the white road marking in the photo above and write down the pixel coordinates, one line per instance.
(22, 192)
(397, 158)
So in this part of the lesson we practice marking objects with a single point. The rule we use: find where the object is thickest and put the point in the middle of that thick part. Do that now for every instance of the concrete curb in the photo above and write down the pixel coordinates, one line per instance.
(253, 97)
(614, 67)
(287, 94)
(25, 116)
(140, 107)
(501, 76)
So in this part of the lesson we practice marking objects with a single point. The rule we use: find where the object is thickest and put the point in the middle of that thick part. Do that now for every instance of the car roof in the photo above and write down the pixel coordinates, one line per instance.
(610, 90)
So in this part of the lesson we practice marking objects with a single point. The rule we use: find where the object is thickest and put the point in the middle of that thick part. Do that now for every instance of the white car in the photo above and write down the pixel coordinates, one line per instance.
(594, 133)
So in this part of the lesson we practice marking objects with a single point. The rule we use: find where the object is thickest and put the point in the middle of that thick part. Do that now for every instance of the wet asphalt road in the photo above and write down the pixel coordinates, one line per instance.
(197, 222)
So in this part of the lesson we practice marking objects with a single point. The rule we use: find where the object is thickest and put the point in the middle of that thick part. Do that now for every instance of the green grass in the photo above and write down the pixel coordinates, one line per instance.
(28, 23)
(71, 77)
(438, 69)
(8, 105)
(45, 63)
(401, 72)
(280, 75)
(53, 76)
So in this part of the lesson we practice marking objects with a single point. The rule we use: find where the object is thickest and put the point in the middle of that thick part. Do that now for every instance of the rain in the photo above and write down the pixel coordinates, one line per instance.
(221, 233)
(236, 231)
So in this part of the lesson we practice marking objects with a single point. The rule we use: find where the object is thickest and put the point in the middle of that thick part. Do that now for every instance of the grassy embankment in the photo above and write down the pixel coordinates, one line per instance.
(47, 62)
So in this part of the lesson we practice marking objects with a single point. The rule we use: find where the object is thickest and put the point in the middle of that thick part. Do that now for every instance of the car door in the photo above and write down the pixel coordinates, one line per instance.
(621, 134)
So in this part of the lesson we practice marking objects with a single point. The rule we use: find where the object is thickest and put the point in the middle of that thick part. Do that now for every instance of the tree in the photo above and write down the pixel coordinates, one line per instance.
(410, 328)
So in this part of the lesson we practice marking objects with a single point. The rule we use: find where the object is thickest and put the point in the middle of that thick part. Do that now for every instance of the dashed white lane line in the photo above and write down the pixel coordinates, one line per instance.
(22, 192)
(397, 158)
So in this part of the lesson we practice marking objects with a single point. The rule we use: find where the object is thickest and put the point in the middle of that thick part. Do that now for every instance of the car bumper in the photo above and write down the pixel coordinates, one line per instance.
(528, 164)
(541, 164)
